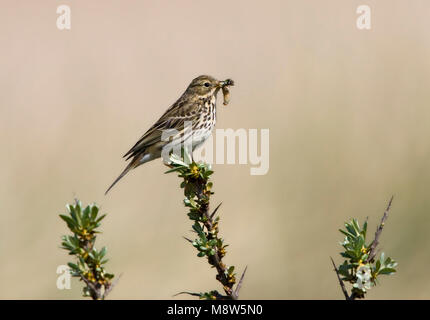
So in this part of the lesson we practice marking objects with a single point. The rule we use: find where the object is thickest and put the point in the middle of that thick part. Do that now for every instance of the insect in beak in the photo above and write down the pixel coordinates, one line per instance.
(226, 93)
(225, 83)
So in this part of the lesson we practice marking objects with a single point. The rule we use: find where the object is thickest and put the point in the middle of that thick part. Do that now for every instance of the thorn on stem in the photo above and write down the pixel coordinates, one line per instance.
(189, 240)
(342, 285)
(214, 212)
(185, 292)
(239, 285)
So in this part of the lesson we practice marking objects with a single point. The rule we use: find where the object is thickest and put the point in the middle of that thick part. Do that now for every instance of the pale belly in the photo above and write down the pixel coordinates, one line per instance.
(201, 135)
(202, 129)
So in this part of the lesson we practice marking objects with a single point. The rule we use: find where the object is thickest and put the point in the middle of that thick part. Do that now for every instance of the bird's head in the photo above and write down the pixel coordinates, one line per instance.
(206, 86)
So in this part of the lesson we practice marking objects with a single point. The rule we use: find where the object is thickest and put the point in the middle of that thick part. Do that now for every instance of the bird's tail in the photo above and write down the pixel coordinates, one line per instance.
(127, 169)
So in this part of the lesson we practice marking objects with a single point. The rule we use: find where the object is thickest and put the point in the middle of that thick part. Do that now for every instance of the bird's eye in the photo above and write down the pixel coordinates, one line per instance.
(207, 84)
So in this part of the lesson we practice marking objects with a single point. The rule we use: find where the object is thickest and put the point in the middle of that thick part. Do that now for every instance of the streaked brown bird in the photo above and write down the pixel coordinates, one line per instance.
(195, 110)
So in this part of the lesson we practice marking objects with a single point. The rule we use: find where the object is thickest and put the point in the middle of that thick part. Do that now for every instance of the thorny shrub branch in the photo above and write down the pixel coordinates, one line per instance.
(89, 267)
(360, 267)
(197, 191)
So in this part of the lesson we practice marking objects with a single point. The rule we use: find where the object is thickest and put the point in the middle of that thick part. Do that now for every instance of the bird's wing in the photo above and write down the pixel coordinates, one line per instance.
(173, 118)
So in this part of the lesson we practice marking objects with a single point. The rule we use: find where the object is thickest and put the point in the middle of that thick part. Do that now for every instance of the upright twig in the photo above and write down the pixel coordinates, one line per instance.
(361, 268)
(197, 190)
(372, 249)
(89, 267)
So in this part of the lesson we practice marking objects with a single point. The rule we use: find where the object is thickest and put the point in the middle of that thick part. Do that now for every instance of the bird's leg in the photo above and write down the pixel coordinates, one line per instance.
(191, 155)
(166, 160)
(187, 155)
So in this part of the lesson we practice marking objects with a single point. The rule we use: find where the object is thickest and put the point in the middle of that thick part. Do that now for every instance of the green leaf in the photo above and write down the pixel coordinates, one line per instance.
(73, 266)
(72, 213)
(387, 271)
(351, 230)
(101, 218)
(364, 229)
(102, 252)
(212, 242)
(78, 212)
(208, 173)
(377, 266)
(197, 227)
(93, 254)
(356, 226)
(70, 222)
(86, 213)
(348, 234)
(173, 170)
(94, 212)
(193, 215)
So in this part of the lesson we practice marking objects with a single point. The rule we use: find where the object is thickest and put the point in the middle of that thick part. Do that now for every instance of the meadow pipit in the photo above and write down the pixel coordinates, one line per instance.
(196, 108)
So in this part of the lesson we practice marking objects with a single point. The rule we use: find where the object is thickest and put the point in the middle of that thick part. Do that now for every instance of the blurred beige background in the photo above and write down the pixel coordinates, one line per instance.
(347, 110)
